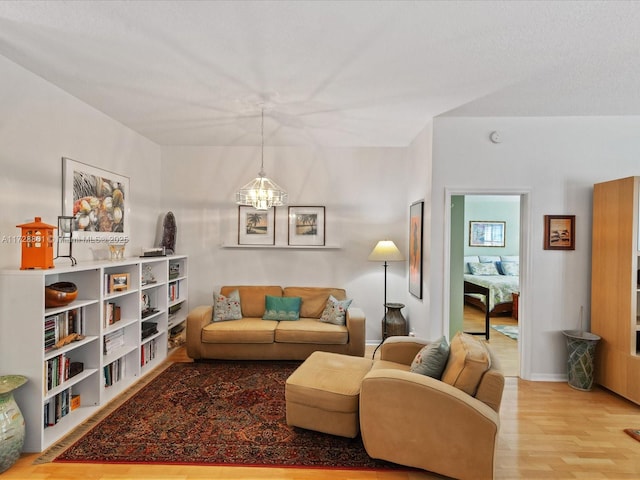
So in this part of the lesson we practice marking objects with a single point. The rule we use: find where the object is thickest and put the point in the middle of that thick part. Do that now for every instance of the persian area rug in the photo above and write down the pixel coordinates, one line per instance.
(215, 413)
(511, 331)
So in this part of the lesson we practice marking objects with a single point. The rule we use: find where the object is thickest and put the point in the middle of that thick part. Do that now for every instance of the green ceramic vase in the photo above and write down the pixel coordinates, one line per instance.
(11, 421)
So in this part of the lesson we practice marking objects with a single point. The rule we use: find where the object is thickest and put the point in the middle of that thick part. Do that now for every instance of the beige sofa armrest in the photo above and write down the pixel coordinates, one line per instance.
(402, 350)
(196, 320)
(415, 420)
(356, 324)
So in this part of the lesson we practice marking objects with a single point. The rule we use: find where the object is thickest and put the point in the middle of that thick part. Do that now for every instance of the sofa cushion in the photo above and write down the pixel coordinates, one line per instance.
(252, 297)
(335, 311)
(282, 308)
(432, 359)
(310, 330)
(314, 299)
(467, 363)
(245, 330)
(227, 308)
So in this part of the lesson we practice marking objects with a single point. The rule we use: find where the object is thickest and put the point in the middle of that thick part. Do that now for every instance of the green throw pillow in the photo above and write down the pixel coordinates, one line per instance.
(227, 308)
(282, 308)
(432, 359)
(335, 311)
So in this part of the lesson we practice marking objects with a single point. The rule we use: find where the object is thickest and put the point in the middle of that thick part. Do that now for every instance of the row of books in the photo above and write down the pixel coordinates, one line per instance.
(59, 406)
(174, 291)
(113, 372)
(111, 314)
(61, 325)
(148, 352)
(113, 341)
(56, 371)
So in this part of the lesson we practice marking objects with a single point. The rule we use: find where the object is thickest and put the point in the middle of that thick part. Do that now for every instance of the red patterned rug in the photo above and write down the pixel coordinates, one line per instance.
(215, 413)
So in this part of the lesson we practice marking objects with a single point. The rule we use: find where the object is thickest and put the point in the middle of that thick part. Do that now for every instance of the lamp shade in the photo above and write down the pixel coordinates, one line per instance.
(386, 251)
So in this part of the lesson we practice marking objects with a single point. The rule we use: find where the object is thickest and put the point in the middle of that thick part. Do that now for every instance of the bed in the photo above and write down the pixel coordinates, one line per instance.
(495, 278)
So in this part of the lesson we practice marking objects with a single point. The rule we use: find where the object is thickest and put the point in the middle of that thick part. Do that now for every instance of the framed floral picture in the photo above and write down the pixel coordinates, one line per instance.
(256, 227)
(97, 200)
(486, 234)
(415, 248)
(306, 226)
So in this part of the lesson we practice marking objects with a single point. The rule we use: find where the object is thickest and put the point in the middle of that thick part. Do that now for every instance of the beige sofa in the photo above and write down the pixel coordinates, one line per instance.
(448, 426)
(252, 338)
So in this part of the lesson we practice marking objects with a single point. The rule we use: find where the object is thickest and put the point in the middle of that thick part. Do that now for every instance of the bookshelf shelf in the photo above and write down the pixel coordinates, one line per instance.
(55, 400)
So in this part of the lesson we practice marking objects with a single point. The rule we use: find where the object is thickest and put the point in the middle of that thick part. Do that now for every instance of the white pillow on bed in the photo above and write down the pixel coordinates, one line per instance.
(510, 268)
(483, 268)
(470, 259)
(509, 258)
(489, 258)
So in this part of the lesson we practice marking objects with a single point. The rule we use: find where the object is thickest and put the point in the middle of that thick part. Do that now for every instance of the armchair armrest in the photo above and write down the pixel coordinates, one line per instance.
(402, 350)
(419, 421)
(356, 326)
(196, 320)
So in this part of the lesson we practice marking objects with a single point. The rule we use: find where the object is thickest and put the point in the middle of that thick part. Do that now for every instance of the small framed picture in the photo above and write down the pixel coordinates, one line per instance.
(256, 227)
(306, 225)
(118, 282)
(486, 234)
(559, 232)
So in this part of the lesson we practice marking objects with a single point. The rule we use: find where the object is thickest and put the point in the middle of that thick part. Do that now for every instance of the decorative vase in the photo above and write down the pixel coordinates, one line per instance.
(11, 421)
(394, 323)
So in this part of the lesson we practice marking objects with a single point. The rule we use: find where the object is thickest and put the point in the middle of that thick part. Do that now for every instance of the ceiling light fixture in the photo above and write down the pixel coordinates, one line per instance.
(261, 193)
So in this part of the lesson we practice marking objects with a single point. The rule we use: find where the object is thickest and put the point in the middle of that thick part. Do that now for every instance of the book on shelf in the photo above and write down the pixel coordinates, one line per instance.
(113, 372)
(148, 352)
(174, 291)
(113, 341)
(62, 325)
(111, 314)
(57, 407)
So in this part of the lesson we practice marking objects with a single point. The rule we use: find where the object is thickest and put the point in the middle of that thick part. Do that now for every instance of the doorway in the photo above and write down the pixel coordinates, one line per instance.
(509, 210)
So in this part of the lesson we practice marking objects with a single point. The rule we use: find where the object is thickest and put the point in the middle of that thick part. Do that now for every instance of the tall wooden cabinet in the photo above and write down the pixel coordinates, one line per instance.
(614, 285)
(125, 311)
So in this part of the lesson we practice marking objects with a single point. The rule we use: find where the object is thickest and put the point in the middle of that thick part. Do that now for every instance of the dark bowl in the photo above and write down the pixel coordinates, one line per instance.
(60, 294)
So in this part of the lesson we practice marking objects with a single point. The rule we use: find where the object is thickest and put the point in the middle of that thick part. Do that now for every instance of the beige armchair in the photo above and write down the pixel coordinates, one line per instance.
(419, 421)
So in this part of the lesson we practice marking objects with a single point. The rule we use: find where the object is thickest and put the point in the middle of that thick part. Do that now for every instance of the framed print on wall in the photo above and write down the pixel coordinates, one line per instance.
(306, 225)
(486, 234)
(559, 232)
(97, 200)
(415, 248)
(256, 227)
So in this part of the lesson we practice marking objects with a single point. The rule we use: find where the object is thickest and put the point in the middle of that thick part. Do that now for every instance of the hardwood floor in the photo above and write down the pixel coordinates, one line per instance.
(505, 348)
(548, 431)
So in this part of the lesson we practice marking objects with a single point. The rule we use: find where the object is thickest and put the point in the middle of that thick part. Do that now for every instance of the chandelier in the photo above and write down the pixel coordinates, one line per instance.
(261, 193)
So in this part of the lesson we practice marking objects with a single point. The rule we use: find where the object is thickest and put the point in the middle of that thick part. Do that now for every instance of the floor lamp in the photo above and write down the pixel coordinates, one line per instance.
(385, 251)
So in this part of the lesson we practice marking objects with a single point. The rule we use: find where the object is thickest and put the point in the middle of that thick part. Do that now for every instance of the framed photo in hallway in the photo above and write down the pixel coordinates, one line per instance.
(559, 232)
(415, 248)
(256, 227)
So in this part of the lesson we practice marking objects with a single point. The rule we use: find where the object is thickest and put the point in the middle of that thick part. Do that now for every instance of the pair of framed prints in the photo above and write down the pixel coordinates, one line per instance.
(306, 226)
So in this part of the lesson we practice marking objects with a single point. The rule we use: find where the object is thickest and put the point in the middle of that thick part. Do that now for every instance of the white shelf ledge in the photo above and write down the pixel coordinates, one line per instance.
(283, 247)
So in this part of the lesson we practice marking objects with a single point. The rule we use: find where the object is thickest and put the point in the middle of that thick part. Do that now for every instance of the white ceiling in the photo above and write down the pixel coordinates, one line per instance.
(331, 73)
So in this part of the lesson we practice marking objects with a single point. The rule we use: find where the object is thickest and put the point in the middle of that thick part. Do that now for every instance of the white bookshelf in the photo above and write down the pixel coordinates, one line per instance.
(128, 358)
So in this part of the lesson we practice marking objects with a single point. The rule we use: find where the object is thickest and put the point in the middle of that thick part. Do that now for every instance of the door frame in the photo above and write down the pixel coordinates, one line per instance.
(524, 348)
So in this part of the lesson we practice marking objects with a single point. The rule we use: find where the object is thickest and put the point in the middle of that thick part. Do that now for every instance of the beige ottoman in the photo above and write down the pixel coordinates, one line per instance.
(323, 393)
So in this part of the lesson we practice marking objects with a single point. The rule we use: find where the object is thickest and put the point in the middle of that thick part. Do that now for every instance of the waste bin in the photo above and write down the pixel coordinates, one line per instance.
(581, 347)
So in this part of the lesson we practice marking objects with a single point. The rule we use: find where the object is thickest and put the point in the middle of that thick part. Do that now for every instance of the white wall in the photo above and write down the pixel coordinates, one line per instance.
(419, 155)
(558, 160)
(39, 124)
(364, 191)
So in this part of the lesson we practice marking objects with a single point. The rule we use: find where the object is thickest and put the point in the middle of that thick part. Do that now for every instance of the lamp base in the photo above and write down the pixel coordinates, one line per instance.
(396, 324)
